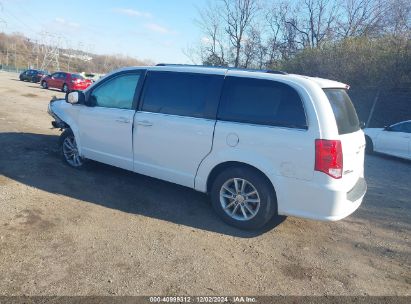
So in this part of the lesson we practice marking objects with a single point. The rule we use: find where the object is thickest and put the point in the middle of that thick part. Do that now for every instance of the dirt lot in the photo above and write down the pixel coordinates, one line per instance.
(105, 231)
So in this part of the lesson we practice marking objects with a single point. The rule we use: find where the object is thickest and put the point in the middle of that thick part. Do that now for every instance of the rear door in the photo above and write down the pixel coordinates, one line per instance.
(62, 78)
(106, 126)
(175, 124)
(351, 136)
(57, 80)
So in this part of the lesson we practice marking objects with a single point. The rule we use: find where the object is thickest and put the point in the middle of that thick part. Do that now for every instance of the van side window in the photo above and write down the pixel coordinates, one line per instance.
(263, 102)
(184, 94)
(116, 93)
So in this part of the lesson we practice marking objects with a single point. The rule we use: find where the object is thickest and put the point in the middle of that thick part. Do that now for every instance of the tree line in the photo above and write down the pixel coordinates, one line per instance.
(364, 42)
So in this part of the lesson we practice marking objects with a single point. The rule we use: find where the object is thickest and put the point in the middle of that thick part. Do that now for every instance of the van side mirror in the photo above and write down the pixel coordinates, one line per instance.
(75, 97)
(387, 128)
(362, 124)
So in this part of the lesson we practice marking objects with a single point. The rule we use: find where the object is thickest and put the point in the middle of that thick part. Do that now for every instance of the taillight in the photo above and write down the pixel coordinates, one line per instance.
(329, 157)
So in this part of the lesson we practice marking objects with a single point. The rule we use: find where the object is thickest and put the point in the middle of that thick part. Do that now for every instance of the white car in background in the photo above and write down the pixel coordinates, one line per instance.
(393, 140)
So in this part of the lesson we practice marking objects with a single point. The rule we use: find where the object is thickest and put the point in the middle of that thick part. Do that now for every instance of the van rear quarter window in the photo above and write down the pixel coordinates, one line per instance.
(264, 102)
(344, 111)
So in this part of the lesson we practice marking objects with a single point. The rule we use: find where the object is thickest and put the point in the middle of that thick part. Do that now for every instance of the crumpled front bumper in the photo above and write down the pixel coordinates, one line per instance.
(57, 123)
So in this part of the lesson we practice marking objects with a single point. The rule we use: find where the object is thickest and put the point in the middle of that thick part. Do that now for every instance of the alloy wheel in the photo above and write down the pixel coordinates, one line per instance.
(71, 153)
(240, 199)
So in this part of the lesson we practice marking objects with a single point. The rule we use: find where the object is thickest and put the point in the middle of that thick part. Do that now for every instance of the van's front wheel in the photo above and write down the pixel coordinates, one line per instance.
(69, 150)
(243, 197)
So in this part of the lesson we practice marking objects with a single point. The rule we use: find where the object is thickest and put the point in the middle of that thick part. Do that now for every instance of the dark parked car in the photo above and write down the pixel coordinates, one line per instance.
(66, 82)
(32, 75)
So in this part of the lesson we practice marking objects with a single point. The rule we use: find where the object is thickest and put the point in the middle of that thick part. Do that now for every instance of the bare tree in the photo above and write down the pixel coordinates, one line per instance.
(361, 17)
(238, 16)
(397, 18)
(314, 36)
(213, 49)
(281, 41)
(253, 48)
(314, 21)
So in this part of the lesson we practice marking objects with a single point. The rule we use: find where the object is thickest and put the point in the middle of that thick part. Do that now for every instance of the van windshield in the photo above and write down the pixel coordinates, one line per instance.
(344, 111)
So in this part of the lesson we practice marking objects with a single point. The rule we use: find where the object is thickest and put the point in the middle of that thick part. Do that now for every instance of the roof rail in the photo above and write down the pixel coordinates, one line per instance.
(223, 67)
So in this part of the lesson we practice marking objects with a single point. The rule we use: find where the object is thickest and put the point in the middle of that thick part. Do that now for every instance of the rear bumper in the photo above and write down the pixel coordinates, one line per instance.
(319, 202)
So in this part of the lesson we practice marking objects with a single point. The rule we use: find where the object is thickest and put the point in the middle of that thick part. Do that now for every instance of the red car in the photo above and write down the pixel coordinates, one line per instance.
(66, 82)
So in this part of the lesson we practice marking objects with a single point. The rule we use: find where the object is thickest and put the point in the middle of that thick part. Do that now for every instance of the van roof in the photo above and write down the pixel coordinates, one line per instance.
(268, 74)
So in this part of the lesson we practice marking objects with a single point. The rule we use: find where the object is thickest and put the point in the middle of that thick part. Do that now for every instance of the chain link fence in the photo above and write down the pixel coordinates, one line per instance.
(10, 68)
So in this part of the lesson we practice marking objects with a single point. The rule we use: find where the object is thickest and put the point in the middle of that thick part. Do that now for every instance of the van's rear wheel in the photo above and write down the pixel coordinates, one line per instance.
(69, 150)
(243, 197)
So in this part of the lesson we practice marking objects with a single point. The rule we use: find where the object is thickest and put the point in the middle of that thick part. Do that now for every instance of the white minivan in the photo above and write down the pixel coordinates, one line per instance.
(260, 143)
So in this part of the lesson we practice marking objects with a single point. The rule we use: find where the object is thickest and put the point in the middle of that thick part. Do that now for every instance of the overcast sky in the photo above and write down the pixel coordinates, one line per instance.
(146, 29)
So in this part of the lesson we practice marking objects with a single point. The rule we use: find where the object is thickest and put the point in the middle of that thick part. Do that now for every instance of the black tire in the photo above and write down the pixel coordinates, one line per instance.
(44, 85)
(68, 135)
(21, 78)
(65, 88)
(268, 202)
(369, 146)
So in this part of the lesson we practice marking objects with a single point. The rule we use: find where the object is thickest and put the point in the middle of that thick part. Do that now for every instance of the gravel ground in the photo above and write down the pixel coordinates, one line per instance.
(105, 231)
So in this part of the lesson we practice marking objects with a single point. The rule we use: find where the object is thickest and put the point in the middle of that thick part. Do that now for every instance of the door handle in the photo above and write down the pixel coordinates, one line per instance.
(123, 120)
(144, 123)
